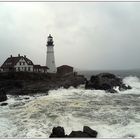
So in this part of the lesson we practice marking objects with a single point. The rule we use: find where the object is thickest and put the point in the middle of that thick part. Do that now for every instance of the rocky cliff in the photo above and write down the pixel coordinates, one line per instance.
(22, 83)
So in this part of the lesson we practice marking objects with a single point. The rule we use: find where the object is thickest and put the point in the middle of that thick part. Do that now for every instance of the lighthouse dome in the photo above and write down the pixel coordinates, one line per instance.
(50, 36)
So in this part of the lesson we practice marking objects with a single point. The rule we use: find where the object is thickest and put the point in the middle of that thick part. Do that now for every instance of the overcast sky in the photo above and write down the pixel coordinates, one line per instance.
(86, 35)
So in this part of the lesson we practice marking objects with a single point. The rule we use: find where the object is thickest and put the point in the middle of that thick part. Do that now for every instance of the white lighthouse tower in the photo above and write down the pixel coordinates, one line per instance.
(50, 60)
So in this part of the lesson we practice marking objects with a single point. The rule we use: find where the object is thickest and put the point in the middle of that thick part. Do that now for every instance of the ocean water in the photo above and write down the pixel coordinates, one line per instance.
(112, 115)
(120, 73)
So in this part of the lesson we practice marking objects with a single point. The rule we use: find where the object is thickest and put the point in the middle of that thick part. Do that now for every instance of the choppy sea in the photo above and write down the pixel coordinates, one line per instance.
(112, 115)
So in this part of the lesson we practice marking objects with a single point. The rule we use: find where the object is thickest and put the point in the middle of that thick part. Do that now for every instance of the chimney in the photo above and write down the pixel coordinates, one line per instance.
(24, 56)
(11, 56)
(18, 55)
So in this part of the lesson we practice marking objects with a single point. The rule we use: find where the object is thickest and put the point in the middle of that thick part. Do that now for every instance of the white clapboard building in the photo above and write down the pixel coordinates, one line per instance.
(21, 63)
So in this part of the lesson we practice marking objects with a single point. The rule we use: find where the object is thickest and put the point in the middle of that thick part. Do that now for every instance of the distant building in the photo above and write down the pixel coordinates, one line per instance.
(19, 63)
(40, 69)
(65, 70)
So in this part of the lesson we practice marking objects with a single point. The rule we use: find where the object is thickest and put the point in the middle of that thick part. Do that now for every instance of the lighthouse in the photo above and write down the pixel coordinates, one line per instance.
(50, 59)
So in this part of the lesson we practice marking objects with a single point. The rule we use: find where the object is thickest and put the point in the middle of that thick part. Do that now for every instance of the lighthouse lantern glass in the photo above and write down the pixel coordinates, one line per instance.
(50, 39)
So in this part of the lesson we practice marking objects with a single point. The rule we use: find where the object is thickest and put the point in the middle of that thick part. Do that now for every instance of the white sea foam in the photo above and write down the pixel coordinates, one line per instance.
(112, 115)
(134, 82)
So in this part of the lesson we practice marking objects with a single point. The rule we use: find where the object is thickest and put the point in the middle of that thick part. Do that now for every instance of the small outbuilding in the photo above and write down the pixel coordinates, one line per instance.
(64, 70)
(40, 69)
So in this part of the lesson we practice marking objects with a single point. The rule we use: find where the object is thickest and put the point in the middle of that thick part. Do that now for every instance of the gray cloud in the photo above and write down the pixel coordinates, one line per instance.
(86, 35)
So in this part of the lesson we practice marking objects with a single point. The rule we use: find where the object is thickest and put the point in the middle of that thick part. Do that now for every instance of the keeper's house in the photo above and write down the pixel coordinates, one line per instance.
(21, 63)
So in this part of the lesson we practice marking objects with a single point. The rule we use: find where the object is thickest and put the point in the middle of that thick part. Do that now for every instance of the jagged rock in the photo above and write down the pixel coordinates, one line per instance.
(124, 87)
(78, 134)
(106, 81)
(111, 91)
(129, 136)
(3, 96)
(58, 132)
(4, 104)
(26, 98)
(89, 131)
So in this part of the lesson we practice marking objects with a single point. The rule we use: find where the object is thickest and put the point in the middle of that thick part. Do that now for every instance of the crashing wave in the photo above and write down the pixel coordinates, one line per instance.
(111, 115)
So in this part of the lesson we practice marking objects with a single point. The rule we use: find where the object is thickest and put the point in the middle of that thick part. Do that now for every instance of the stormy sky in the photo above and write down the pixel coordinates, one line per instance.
(88, 36)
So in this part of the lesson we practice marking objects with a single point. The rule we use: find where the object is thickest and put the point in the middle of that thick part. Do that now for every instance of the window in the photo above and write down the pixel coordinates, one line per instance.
(18, 68)
(23, 63)
(25, 69)
(29, 69)
(19, 63)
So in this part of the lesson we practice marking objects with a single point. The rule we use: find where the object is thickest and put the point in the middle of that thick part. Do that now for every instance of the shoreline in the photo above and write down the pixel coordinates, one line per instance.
(23, 83)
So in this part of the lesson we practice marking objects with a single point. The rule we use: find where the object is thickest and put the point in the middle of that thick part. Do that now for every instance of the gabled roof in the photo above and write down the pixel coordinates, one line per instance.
(28, 61)
(12, 61)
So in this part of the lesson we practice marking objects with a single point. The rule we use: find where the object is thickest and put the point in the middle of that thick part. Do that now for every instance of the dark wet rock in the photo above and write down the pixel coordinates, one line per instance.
(111, 90)
(3, 96)
(106, 81)
(25, 83)
(59, 132)
(4, 104)
(26, 98)
(78, 134)
(129, 136)
(89, 131)
(124, 87)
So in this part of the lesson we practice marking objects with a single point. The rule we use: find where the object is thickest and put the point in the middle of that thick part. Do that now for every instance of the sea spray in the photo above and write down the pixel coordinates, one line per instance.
(112, 115)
